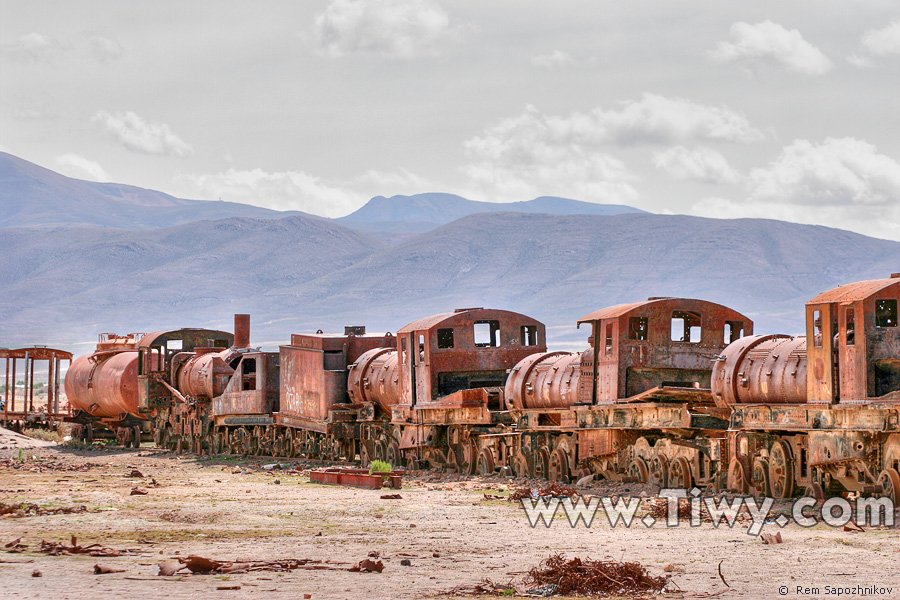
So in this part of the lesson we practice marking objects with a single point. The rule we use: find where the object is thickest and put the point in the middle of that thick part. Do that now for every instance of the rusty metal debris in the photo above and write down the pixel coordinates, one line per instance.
(29, 509)
(59, 548)
(138, 491)
(554, 489)
(356, 477)
(593, 577)
(101, 570)
(203, 565)
(771, 538)
(368, 566)
(392, 497)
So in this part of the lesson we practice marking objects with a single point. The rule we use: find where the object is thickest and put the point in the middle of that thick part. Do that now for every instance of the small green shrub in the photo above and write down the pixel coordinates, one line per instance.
(379, 466)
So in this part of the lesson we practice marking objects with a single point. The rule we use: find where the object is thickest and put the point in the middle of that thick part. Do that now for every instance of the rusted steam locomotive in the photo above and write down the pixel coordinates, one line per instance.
(673, 391)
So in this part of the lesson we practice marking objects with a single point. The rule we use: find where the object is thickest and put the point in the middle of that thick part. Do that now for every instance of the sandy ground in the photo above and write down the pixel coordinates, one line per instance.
(452, 536)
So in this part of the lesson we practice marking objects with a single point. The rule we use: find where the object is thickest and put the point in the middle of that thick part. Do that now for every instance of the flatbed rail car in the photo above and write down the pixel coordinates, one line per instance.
(17, 405)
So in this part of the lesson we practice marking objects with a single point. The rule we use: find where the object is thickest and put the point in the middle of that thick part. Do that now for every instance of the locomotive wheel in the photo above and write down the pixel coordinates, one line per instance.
(520, 465)
(759, 477)
(485, 462)
(737, 480)
(364, 459)
(638, 470)
(892, 453)
(394, 456)
(680, 475)
(659, 471)
(559, 466)
(136, 441)
(541, 467)
(890, 485)
(465, 457)
(781, 470)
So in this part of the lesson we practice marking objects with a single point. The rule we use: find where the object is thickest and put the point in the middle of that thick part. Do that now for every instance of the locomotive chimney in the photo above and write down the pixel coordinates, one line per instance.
(895, 275)
(241, 331)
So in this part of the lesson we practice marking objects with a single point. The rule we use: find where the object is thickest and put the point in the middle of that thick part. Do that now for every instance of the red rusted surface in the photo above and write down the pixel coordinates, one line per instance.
(375, 377)
(855, 351)
(104, 386)
(22, 407)
(469, 348)
(314, 370)
(356, 477)
(660, 342)
(545, 380)
(254, 387)
(761, 369)
(241, 331)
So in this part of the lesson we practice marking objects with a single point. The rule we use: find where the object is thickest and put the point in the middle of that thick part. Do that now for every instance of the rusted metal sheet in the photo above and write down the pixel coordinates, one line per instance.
(356, 478)
(104, 385)
(761, 369)
(375, 377)
(23, 408)
(544, 380)
(854, 356)
(656, 343)
(597, 442)
(314, 370)
(465, 349)
(253, 388)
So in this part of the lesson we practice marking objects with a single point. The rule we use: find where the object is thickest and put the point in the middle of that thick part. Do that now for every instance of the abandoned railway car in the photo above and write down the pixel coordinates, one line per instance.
(673, 391)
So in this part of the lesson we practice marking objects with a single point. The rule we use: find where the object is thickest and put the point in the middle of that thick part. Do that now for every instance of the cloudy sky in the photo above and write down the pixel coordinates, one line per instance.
(782, 109)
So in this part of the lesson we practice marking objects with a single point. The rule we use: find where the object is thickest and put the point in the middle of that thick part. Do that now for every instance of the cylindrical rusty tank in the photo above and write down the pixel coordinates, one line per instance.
(544, 380)
(375, 377)
(761, 369)
(104, 384)
(206, 374)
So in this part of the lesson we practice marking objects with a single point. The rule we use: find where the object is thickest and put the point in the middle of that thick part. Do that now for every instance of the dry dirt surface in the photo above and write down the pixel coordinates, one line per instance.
(146, 507)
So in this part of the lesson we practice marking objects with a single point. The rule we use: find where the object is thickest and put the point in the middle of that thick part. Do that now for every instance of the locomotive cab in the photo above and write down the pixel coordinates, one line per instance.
(471, 348)
(855, 351)
(663, 342)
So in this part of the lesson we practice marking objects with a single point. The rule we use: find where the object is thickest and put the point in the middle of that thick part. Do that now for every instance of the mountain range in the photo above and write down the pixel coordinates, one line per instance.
(70, 276)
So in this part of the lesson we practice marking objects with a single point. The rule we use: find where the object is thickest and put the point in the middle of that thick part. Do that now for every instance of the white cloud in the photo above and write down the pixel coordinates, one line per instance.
(140, 136)
(698, 164)
(394, 182)
(841, 183)
(33, 47)
(771, 43)
(386, 28)
(554, 60)
(104, 49)
(80, 167)
(877, 43)
(534, 154)
(285, 190)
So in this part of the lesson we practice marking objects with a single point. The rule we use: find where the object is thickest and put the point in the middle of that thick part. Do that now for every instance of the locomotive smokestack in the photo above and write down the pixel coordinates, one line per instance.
(241, 331)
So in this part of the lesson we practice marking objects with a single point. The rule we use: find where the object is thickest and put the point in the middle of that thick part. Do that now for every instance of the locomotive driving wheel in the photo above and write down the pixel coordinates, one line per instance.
(659, 471)
(889, 479)
(638, 470)
(485, 464)
(737, 479)
(465, 456)
(541, 467)
(520, 465)
(680, 475)
(394, 456)
(559, 466)
(759, 477)
(781, 470)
